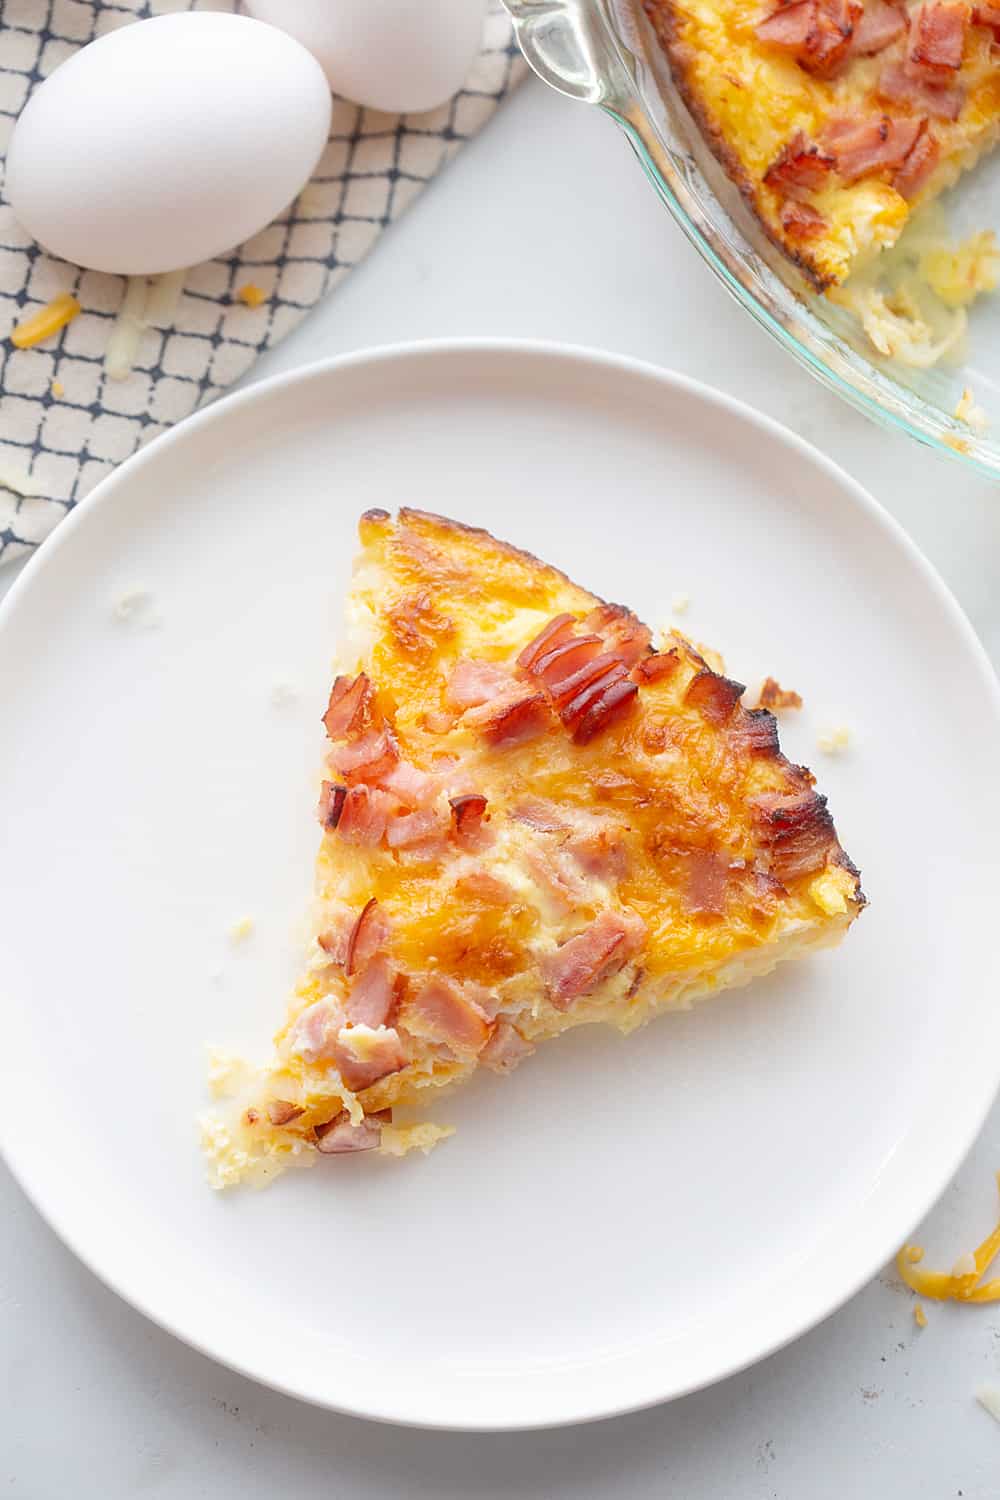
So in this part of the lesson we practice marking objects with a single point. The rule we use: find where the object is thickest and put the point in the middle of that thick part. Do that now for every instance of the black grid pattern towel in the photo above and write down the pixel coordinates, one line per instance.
(64, 423)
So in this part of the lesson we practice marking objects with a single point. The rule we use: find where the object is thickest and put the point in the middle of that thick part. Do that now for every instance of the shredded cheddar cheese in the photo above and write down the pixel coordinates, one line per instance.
(963, 1283)
(58, 389)
(919, 1316)
(252, 295)
(46, 321)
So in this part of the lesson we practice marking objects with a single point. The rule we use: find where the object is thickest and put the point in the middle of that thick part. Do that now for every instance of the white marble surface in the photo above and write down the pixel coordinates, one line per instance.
(545, 228)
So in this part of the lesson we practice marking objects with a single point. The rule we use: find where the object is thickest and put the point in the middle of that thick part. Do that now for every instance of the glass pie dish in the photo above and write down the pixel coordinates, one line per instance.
(604, 52)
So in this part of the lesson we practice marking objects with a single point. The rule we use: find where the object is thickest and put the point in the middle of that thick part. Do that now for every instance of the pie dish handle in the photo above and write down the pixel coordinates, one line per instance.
(570, 45)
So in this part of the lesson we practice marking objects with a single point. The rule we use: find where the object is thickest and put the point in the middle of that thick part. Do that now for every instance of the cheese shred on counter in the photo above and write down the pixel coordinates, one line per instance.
(963, 1283)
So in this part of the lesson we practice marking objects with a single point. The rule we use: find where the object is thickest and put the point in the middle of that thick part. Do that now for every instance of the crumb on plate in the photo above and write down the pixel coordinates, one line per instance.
(775, 697)
(834, 741)
(680, 603)
(241, 930)
(134, 605)
(988, 1397)
(251, 295)
(919, 1316)
(57, 388)
(967, 411)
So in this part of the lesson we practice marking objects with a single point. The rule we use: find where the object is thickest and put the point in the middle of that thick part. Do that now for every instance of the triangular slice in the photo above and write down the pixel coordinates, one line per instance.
(533, 818)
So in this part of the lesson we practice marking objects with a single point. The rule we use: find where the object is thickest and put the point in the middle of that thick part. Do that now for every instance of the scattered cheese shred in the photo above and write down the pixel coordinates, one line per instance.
(252, 295)
(919, 1316)
(18, 481)
(46, 321)
(162, 299)
(57, 388)
(988, 1397)
(241, 930)
(964, 1282)
(127, 330)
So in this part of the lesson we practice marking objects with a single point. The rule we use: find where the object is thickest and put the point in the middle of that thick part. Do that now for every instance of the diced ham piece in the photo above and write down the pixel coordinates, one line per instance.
(708, 878)
(600, 852)
(795, 833)
(375, 994)
(315, 1029)
(369, 933)
(364, 815)
(830, 42)
(938, 100)
(337, 935)
(818, 33)
(283, 1112)
(483, 999)
(622, 632)
(600, 704)
(602, 666)
(331, 804)
(442, 1012)
(546, 817)
(660, 664)
(558, 629)
(480, 885)
(556, 875)
(556, 666)
(468, 812)
(579, 965)
(756, 732)
(912, 176)
(937, 37)
(411, 829)
(787, 28)
(803, 222)
(367, 758)
(867, 144)
(988, 16)
(713, 695)
(513, 719)
(350, 709)
(340, 1134)
(505, 1049)
(364, 1054)
(880, 25)
(474, 682)
(800, 168)
(406, 781)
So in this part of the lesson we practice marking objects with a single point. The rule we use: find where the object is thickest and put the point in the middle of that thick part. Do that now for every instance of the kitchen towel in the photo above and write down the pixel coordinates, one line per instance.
(64, 423)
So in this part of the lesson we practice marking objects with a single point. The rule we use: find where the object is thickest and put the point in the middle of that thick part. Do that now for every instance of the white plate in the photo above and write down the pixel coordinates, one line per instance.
(623, 1220)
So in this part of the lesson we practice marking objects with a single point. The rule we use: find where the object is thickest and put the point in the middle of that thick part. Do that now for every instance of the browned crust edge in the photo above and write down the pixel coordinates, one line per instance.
(408, 513)
(666, 20)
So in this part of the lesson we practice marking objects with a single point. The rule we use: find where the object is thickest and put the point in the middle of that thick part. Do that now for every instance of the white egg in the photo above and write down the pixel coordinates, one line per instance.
(167, 141)
(398, 55)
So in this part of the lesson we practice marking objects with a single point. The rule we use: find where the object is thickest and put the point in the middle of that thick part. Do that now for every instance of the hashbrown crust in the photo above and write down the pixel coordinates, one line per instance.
(666, 19)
